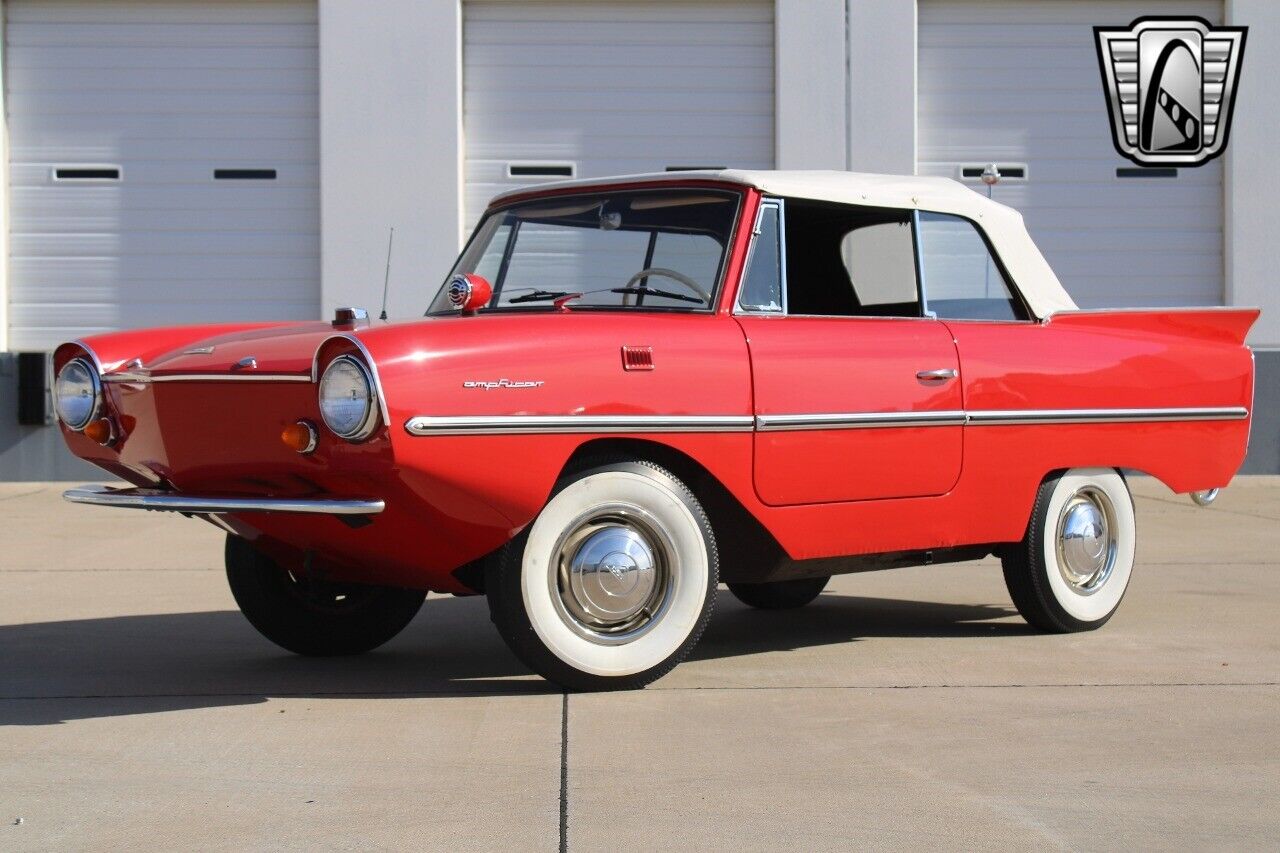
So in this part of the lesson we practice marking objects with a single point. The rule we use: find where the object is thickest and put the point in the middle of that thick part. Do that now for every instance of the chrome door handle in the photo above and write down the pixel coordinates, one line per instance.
(943, 373)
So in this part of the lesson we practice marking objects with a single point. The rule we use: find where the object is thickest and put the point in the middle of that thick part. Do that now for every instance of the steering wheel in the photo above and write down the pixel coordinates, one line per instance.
(673, 275)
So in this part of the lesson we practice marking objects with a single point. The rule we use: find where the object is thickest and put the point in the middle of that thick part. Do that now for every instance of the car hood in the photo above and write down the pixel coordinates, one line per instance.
(255, 351)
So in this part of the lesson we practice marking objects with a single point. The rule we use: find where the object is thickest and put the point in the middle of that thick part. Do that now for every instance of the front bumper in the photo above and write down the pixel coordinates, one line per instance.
(163, 501)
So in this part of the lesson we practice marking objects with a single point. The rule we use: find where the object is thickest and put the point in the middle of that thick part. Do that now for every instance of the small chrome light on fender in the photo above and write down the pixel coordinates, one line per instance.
(350, 316)
(300, 436)
(469, 292)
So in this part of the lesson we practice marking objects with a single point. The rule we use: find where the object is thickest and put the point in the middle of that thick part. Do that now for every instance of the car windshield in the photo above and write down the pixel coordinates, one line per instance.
(634, 249)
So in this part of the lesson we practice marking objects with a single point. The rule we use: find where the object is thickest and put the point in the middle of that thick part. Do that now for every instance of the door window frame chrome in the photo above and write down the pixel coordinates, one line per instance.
(779, 206)
(993, 257)
(917, 243)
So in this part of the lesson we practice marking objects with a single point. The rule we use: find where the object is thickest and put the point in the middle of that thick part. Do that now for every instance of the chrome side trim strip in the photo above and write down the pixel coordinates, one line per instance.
(145, 378)
(513, 424)
(859, 420)
(509, 424)
(157, 499)
(1115, 416)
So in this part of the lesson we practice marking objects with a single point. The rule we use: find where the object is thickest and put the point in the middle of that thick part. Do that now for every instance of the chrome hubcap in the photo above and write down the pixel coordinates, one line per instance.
(613, 574)
(1086, 540)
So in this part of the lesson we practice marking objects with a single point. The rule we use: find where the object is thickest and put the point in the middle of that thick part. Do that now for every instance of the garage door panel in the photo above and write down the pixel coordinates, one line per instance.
(204, 151)
(74, 129)
(1120, 239)
(169, 242)
(619, 54)
(614, 88)
(1017, 81)
(92, 319)
(242, 268)
(172, 105)
(1003, 57)
(627, 135)
(167, 92)
(194, 176)
(672, 12)
(1179, 266)
(981, 13)
(244, 221)
(80, 12)
(90, 56)
(567, 104)
(97, 296)
(1139, 220)
(1065, 180)
(106, 80)
(623, 81)
(165, 200)
(111, 34)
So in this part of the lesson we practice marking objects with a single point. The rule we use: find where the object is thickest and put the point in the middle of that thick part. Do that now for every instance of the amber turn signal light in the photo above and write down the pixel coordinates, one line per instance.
(101, 431)
(300, 436)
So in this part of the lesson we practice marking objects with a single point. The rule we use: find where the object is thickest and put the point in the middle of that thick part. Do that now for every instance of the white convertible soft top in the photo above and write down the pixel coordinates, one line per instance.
(1004, 227)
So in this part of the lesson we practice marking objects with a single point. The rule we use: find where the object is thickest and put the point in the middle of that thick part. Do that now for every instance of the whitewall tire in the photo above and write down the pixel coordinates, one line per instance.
(612, 584)
(1072, 569)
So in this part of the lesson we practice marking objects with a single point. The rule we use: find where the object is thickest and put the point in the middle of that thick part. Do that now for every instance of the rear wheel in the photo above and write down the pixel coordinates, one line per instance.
(779, 595)
(1072, 569)
(612, 584)
(311, 617)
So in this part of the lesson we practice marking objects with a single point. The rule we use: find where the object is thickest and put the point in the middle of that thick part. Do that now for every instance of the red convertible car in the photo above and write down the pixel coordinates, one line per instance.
(631, 390)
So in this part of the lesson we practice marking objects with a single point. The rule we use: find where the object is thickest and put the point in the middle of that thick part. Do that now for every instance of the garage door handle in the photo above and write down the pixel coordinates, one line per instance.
(934, 375)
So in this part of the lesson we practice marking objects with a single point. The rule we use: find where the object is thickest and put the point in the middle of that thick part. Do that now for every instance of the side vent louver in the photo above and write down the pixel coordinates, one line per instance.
(637, 358)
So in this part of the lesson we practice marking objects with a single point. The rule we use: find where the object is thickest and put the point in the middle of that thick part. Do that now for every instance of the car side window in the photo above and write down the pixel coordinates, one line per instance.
(762, 281)
(880, 260)
(962, 280)
(849, 261)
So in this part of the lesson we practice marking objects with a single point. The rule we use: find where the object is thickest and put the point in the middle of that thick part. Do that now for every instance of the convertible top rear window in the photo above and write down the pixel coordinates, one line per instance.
(655, 249)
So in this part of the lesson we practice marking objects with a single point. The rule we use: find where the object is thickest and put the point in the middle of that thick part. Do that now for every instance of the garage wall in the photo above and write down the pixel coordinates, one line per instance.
(206, 116)
(390, 131)
(606, 88)
(1017, 82)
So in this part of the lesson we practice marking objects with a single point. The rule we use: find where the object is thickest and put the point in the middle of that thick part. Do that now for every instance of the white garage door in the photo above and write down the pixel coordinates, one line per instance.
(583, 89)
(163, 165)
(1016, 82)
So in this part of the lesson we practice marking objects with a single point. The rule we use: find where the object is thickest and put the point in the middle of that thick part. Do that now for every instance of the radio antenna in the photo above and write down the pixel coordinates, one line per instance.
(386, 276)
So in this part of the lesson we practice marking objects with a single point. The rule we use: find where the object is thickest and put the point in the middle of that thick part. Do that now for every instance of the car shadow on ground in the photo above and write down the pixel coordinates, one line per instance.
(52, 672)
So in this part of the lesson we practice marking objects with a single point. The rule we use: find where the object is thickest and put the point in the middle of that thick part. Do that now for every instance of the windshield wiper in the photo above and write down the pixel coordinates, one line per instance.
(665, 294)
(538, 296)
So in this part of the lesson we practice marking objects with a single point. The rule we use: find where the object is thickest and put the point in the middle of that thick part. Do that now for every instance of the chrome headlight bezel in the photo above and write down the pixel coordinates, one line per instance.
(95, 383)
(369, 422)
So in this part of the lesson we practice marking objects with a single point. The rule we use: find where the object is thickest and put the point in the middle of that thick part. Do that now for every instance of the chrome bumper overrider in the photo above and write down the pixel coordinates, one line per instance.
(156, 499)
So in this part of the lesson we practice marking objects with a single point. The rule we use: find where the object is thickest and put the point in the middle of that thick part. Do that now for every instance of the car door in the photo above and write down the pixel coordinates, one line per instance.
(856, 394)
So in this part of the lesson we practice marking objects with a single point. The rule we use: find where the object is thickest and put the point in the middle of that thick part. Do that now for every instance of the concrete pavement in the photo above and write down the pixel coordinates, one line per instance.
(910, 708)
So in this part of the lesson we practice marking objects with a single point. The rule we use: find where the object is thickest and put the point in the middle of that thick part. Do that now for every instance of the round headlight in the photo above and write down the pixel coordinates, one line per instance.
(77, 394)
(347, 399)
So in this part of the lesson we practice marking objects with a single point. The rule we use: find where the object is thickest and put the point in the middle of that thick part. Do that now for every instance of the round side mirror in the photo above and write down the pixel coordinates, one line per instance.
(469, 292)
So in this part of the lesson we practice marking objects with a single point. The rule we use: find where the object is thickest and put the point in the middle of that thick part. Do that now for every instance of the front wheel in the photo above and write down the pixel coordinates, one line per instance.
(1072, 568)
(612, 584)
(313, 617)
